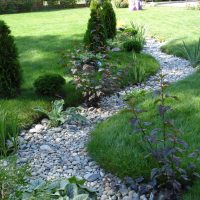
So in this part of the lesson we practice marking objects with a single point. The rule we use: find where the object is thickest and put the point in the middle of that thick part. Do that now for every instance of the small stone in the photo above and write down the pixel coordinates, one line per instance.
(127, 198)
(45, 148)
(5, 163)
(38, 128)
(91, 177)
(44, 121)
(116, 49)
(91, 109)
(110, 193)
(23, 160)
(58, 140)
(57, 129)
(143, 197)
(123, 191)
(104, 197)
(102, 174)
(135, 196)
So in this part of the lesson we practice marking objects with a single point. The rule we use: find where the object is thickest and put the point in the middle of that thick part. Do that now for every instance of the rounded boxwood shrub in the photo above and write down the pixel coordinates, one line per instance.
(109, 19)
(49, 85)
(130, 31)
(133, 45)
(10, 71)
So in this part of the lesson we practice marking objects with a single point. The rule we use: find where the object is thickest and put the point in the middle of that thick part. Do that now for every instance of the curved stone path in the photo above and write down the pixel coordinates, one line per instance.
(60, 152)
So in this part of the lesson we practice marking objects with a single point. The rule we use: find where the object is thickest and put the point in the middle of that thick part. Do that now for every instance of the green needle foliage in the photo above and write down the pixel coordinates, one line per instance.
(94, 4)
(109, 19)
(10, 72)
(95, 36)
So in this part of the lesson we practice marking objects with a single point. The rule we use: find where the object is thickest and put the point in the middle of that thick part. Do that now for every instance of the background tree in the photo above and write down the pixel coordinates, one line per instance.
(109, 19)
(10, 72)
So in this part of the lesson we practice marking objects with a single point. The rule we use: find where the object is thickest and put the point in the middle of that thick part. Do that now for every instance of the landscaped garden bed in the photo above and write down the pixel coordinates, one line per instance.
(39, 45)
(98, 74)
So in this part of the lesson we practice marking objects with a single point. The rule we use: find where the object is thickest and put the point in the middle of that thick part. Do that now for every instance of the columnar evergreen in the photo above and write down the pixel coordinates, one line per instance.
(10, 72)
(109, 19)
(95, 36)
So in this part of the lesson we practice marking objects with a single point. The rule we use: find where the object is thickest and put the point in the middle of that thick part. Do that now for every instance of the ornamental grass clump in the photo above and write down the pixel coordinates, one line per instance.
(134, 38)
(51, 85)
(10, 70)
(192, 54)
(9, 131)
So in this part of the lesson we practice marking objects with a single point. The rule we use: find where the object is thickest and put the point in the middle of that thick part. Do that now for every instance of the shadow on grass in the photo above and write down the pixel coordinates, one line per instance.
(40, 55)
(47, 43)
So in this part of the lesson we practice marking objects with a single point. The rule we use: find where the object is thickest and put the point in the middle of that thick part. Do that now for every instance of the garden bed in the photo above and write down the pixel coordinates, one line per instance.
(39, 48)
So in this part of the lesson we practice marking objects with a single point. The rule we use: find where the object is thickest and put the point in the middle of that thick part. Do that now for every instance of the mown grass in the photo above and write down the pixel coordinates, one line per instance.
(193, 193)
(40, 38)
(165, 23)
(114, 147)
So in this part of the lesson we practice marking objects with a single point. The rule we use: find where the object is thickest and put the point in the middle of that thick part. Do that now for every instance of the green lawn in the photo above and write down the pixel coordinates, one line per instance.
(114, 147)
(171, 24)
(42, 36)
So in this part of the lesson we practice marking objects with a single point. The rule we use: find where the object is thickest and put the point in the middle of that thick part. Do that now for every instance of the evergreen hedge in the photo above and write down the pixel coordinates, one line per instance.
(109, 19)
(10, 72)
(95, 36)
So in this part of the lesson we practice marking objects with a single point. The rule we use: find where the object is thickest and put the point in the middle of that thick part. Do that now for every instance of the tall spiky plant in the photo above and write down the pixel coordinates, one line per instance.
(192, 54)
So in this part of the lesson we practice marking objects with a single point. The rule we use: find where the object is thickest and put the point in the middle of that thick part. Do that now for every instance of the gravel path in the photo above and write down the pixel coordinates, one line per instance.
(61, 152)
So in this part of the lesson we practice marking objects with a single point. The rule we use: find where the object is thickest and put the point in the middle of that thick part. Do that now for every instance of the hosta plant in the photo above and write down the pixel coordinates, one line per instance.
(192, 54)
(57, 115)
(167, 148)
(73, 116)
(63, 189)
